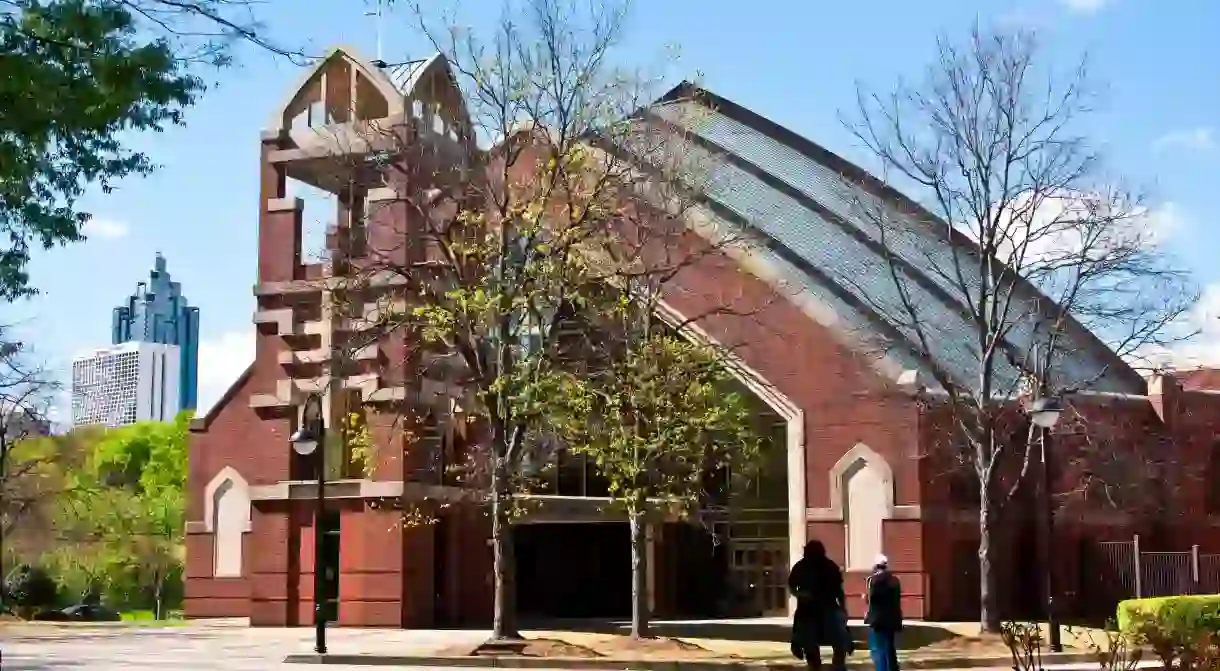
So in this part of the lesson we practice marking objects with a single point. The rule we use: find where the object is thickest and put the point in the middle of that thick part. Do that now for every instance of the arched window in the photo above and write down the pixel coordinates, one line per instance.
(864, 487)
(229, 519)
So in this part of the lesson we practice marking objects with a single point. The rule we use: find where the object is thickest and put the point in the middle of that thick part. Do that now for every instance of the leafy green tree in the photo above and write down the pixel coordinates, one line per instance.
(657, 414)
(77, 78)
(84, 568)
(145, 456)
(126, 511)
(142, 534)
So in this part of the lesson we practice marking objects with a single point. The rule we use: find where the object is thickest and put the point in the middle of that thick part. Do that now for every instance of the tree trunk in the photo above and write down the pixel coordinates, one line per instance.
(989, 612)
(158, 612)
(504, 613)
(639, 575)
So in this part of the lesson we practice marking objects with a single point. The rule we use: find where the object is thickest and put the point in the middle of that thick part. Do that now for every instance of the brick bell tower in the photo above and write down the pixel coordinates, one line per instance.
(372, 137)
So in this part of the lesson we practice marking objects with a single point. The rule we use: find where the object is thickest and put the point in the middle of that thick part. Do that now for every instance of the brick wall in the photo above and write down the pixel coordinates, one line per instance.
(232, 434)
(389, 573)
(1120, 466)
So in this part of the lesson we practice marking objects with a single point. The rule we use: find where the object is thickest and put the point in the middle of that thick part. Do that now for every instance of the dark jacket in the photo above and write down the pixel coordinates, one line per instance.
(820, 618)
(817, 584)
(884, 601)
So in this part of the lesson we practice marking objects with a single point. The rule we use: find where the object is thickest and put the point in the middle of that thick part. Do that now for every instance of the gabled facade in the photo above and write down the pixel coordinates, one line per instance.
(851, 430)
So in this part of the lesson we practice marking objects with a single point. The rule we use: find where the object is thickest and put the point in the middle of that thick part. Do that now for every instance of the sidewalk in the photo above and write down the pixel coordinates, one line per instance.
(741, 645)
(1065, 661)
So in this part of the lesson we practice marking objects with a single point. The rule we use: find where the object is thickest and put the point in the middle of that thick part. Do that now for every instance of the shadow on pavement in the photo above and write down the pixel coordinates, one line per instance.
(914, 634)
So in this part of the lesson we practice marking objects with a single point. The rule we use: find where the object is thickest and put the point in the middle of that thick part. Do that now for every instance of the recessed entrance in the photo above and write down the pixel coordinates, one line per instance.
(730, 559)
(573, 570)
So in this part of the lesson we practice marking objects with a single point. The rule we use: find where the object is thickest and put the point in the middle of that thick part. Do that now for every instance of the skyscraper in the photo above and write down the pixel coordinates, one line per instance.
(127, 383)
(158, 313)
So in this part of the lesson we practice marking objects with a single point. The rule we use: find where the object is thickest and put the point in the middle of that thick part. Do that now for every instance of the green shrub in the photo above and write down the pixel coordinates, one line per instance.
(1193, 613)
(31, 588)
(1181, 628)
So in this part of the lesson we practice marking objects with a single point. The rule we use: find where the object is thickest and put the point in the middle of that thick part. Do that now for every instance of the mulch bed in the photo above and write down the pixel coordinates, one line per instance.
(618, 647)
(531, 647)
(660, 647)
(969, 645)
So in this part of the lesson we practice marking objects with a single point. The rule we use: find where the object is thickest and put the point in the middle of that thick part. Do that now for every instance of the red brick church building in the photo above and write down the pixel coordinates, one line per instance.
(850, 428)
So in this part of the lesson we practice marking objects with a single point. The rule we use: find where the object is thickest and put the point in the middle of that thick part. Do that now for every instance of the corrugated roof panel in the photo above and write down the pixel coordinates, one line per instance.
(842, 257)
(913, 241)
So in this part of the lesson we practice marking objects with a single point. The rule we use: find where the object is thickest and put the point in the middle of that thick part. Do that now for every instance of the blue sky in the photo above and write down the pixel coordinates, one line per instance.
(794, 61)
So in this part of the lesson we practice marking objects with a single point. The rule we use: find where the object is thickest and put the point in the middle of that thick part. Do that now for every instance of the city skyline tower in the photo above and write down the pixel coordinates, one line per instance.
(158, 312)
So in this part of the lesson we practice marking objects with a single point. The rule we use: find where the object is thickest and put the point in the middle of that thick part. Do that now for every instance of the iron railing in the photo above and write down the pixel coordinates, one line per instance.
(1134, 572)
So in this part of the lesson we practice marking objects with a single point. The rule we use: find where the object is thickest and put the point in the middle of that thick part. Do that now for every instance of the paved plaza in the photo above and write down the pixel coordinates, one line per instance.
(199, 648)
(221, 646)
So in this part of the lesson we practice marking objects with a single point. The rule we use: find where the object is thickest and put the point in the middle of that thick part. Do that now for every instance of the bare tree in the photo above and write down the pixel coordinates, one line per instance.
(1017, 267)
(26, 396)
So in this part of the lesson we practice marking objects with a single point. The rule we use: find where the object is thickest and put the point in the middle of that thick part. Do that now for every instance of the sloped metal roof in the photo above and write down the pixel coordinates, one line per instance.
(808, 204)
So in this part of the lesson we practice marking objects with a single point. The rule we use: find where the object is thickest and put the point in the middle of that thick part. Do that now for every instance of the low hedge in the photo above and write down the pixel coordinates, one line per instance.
(1186, 614)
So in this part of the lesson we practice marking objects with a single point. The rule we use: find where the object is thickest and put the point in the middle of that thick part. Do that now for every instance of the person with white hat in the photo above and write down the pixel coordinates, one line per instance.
(884, 617)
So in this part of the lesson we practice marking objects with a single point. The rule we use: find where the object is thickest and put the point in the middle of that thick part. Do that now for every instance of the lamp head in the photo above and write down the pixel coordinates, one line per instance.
(305, 440)
(1044, 412)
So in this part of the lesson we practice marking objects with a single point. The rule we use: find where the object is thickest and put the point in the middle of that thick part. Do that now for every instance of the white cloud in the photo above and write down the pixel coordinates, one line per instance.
(221, 361)
(105, 228)
(1163, 222)
(1051, 229)
(1085, 6)
(1203, 350)
(1197, 139)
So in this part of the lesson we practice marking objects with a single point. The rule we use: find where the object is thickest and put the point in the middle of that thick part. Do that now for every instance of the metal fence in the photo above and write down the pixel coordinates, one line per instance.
(1135, 572)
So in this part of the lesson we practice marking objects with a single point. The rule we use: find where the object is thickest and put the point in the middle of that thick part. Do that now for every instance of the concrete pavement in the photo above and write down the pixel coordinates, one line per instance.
(196, 648)
(217, 647)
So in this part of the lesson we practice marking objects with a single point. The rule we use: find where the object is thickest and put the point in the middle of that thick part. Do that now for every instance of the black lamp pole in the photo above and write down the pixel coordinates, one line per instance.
(312, 438)
(319, 541)
(1048, 535)
(1044, 412)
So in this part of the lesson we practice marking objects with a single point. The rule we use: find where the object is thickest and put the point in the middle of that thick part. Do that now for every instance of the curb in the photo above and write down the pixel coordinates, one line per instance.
(611, 664)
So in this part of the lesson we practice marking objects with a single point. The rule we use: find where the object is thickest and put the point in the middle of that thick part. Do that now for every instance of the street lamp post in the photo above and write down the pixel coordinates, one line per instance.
(1044, 412)
(310, 438)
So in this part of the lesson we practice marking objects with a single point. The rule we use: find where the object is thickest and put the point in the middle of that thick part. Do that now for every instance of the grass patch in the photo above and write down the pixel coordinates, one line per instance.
(148, 617)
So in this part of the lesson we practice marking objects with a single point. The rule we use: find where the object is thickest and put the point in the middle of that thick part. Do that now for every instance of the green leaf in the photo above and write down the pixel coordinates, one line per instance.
(76, 78)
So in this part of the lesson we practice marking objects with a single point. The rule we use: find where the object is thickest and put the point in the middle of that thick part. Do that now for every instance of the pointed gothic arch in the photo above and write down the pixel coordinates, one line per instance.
(227, 518)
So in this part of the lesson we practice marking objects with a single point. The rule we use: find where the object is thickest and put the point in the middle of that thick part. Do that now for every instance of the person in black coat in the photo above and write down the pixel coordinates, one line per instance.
(884, 618)
(821, 617)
